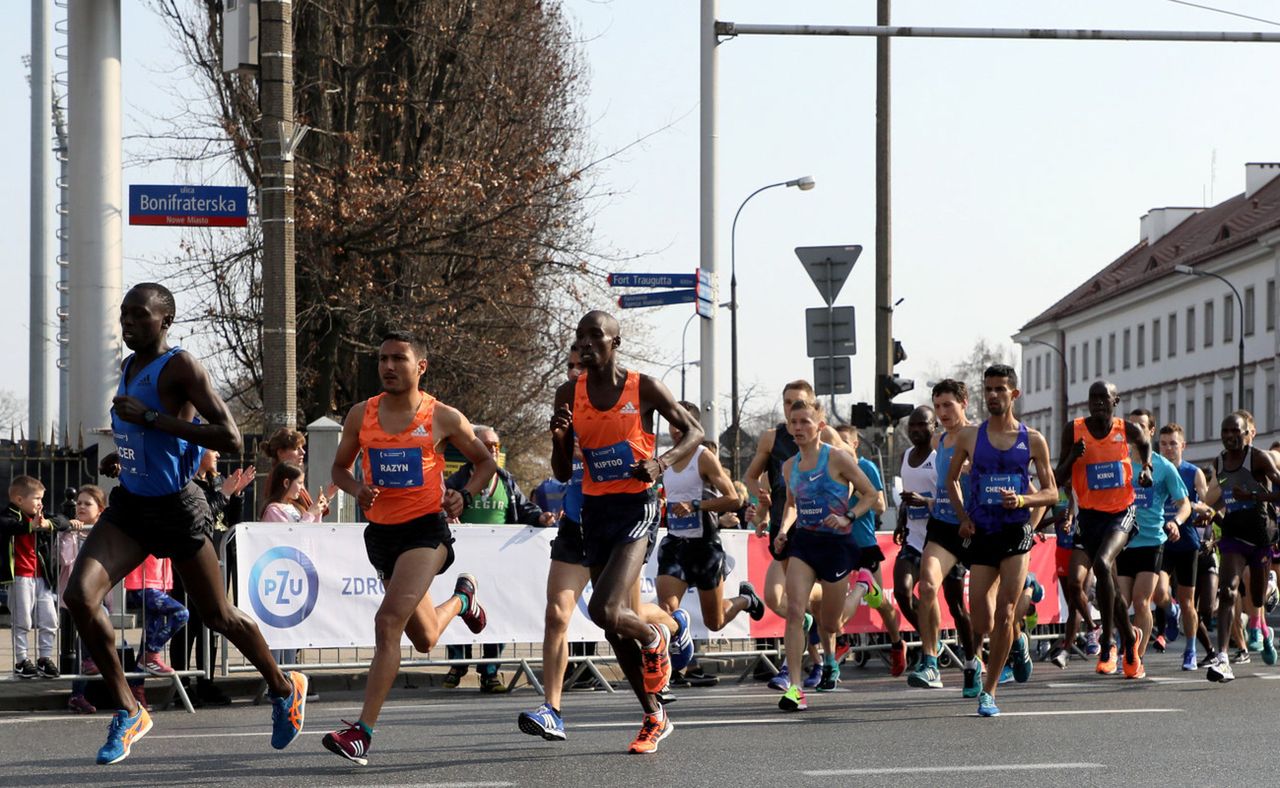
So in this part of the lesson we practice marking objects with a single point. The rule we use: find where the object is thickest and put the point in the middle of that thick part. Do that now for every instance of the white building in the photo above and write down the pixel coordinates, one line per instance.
(1169, 340)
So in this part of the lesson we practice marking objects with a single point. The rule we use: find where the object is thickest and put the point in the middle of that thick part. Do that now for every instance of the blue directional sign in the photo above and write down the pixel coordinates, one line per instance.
(189, 206)
(706, 290)
(653, 280)
(660, 298)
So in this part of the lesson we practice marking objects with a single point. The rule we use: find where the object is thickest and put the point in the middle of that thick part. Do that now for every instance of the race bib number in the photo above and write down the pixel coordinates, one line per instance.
(1104, 475)
(131, 449)
(811, 515)
(991, 487)
(919, 512)
(1233, 505)
(683, 523)
(396, 468)
(610, 463)
(1143, 497)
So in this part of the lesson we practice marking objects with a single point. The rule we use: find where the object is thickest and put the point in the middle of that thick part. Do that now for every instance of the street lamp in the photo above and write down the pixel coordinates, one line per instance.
(684, 335)
(1189, 271)
(804, 184)
(684, 366)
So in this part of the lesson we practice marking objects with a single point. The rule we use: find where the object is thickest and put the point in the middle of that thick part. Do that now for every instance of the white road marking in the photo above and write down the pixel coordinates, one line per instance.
(1076, 712)
(679, 723)
(1065, 684)
(443, 785)
(995, 767)
(1172, 680)
(262, 734)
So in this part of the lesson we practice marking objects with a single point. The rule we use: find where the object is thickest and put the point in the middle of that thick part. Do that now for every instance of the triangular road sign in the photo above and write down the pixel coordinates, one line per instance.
(828, 267)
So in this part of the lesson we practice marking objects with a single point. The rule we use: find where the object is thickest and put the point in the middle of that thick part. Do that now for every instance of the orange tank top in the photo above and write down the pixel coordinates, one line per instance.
(612, 441)
(1102, 478)
(405, 467)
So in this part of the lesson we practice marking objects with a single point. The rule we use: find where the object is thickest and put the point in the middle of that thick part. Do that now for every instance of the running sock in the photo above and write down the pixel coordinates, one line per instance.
(1257, 622)
(656, 640)
(465, 600)
(970, 665)
(367, 730)
(830, 662)
(557, 711)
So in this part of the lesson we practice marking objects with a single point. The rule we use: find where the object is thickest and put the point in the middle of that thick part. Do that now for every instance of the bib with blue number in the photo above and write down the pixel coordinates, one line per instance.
(1104, 475)
(131, 448)
(686, 522)
(610, 463)
(396, 468)
(919, 512)
(993, 485)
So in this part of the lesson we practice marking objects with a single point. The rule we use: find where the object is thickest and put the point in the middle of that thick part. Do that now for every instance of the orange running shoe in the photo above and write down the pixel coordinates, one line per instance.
(1107, 661)
(655, 728)
(656, 663)
(1132, 665)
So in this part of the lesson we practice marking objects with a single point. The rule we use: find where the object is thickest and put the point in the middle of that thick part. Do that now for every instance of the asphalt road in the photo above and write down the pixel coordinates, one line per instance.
(1062, 728)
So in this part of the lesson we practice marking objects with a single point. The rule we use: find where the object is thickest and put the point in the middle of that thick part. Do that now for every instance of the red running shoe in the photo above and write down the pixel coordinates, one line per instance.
(474, 617)
(351, 743)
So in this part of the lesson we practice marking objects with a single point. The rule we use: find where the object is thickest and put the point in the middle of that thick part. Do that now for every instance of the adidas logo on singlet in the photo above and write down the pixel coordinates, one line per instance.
(419, 430)
(1117, 438)
(1020, 445)
(146, 380)
(628, 408)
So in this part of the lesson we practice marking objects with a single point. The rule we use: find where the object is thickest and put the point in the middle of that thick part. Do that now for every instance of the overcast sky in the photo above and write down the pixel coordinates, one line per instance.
(1020, 167)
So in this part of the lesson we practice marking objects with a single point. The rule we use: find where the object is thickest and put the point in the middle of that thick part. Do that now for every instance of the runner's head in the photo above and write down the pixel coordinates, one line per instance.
(1235, 431)
(146, 313)
(950, 398)
(285, 483)
(1000, 388)
(575, 364)
(1143, 418)
(692, 410)
(920, 426)
(1250, 426)
(1103, 400)
(1172, 442)
(402, 361)
(849, 435)
(489, 437)
(805, 421)
(597, 339)
(796, 390)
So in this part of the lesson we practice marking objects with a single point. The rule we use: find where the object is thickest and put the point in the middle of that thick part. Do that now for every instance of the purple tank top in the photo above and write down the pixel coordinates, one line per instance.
(991, 471)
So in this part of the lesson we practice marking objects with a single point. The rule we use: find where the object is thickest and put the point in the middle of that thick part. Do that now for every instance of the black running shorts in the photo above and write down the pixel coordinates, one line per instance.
(1133, 561)
(568, 546)
(697, 562)
(832, 557)
(384, 544)
(1093, 527)
(947, 536)
(167, 526)
(1181, 566)
(615, 519)
(991, 549)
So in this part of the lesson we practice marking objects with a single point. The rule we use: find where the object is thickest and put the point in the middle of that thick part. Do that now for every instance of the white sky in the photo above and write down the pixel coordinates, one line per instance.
(1020, 168)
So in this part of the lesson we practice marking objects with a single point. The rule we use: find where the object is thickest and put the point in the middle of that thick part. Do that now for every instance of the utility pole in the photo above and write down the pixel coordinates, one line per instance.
(41, 148)
(275, 210)
(884, 215)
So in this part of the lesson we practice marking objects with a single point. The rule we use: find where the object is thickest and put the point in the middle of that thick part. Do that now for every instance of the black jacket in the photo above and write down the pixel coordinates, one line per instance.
(521, 510)
(14, 523)
(226, 511)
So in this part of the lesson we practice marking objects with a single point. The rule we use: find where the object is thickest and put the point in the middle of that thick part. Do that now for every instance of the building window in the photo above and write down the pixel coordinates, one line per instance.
(1111, 352)
(1037, 388)
(1142, 343)
(1271, 305)
(1173, 335)
(1271, 407)
(1190, 426)
(1248, 401)
(1097, 357)
(1155, 339)
(1173, 413)
(1084, 361)
(1208, 323)
(1191, 329)
(1029, 377)
(1249, 299)
(1208, 418)
(1073, 363)
(1228, 403)
(1125, 348)
(1228, 318)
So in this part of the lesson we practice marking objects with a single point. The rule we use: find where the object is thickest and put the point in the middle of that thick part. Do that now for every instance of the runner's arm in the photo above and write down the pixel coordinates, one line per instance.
(1047, 495)
(562, 433)
(869, 498)
(713, 472)
(344, 459)
(217, 430)
(1072, 450)
(655, 396)
(959, 456)
(1140, 440)
(759, 464)
(449, 424)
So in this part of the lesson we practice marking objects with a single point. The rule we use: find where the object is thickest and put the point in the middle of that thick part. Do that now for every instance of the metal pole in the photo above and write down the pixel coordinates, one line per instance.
(97, 277)
(886, 31)
(275, 205)
(684, 336)
(707, 69)
(884, 216)
(41, 147)
(63, 284)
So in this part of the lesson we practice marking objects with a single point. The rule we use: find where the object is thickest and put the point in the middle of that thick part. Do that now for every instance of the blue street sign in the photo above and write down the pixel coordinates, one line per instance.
(653, 280)
(189, 206)
(660, 298)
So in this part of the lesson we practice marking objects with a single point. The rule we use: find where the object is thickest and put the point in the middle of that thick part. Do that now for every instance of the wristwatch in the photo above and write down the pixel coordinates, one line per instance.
(150, 417)
(466, 497)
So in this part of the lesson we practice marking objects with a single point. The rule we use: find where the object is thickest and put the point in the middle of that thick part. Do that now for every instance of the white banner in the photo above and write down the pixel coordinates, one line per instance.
(311, 585)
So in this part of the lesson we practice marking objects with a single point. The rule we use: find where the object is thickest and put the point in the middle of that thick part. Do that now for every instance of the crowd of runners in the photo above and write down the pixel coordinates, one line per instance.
(1137, 527)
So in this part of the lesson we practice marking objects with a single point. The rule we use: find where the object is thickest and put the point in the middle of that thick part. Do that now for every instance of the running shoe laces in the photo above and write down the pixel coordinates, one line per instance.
(653, 730)
(351, 742)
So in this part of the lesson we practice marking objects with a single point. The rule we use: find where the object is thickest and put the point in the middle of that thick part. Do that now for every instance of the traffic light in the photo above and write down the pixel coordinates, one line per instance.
(863, 415)
(890, 387)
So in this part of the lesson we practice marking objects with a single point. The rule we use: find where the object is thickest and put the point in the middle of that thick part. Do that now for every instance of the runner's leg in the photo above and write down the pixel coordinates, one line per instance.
(800, 581)
(1012, 574)
(613, 608)
(934, 566)
(904, 583)
(953, 593)
(1143, 592)
(564, 587)
(1104, 570)
(1229, 571)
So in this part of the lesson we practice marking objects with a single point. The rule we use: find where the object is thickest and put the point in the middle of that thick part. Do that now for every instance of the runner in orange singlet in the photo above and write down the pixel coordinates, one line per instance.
(610, 411)
(398, 436)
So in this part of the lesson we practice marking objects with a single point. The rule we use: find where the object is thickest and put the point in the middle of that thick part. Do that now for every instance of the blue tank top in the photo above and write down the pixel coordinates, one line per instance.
(818, 495)
(942, 509)
(573, 493)
(152, 462)
(1188, 534)
(991, 471)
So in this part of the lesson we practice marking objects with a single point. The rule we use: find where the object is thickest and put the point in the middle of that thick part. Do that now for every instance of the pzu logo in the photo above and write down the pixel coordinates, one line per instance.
(283, 587)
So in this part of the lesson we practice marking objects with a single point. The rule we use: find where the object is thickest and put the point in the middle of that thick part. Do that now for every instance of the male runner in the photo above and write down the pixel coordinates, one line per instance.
(164, 412)
(1095, 460)
(566, 579)
(691, 553)
(1182, 555)
(398, 435)
(819, 541)
(945, 557)
(609, 410)
(1245, 479)
(919, 479)
(1138, 565)
(995, 515)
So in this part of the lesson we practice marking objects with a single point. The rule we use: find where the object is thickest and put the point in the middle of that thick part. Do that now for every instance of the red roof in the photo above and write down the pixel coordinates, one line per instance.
(1209, 233)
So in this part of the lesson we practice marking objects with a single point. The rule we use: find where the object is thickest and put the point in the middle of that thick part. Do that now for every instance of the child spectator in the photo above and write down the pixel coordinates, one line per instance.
(148, 586)
(28, 541)
(286, 486)
(89, 503)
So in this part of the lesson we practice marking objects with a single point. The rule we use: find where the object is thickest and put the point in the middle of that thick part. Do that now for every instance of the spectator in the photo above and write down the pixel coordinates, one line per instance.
(28, 543)
(148, 586)
(285, 486)
(743, 515)
(287, 445)
(549, 496)
(501, 503)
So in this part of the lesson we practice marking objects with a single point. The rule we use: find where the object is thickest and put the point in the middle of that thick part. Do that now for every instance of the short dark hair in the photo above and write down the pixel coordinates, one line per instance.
(1002, 371)
(162, 294)
(1173, 428)
(1145, 413)
(800, 385)
(955, 388)
(410, 338)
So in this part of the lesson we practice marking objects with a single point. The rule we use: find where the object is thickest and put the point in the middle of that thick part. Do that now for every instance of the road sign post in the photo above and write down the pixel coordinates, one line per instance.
(829, 331)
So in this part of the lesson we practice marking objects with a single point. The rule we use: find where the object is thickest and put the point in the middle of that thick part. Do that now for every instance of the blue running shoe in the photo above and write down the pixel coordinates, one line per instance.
(925, 676)
(1254, 639)
(1020, 658)
(1037, 590)
(1172, 622)
(124, 731)
(987, 706)
(287, 713)
(542, 721)
(1268, 645)
(1189, 658)
(681, 641)
(1006, 676)
(782, 681)
(972, 682)
(814, 677)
